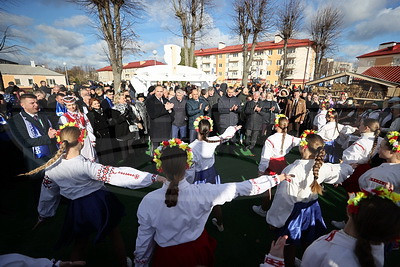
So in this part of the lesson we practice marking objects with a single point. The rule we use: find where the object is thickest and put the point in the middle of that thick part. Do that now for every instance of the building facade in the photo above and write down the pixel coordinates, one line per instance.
(227, 62)
(387, 55)
(27, 75)
(129, 70)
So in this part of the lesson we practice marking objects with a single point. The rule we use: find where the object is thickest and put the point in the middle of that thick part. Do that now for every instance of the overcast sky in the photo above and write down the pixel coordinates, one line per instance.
(56, 31)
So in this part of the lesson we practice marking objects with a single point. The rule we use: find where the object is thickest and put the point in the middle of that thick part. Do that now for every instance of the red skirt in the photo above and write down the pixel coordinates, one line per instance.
(276, 166)
(351, 184)
(199, 252)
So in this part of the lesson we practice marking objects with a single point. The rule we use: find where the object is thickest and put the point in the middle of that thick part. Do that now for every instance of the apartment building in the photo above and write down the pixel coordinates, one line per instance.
(387, 55)
(227, 61)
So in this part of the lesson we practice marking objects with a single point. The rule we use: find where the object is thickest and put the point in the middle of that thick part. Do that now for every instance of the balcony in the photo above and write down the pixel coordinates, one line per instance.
(233, 59)
(233, 68)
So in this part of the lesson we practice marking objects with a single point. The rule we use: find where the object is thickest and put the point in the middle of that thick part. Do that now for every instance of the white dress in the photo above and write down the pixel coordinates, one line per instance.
(320, 119)
(330, 132)
(379, 176)
(299, 190)
(359, 151)
(185, 222)
(336, 250)
(83, 122)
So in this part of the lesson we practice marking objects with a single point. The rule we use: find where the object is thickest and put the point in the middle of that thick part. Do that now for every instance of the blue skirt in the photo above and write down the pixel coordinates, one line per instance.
(305, 223)
(99, 213)
(209, 175)
(331, 152)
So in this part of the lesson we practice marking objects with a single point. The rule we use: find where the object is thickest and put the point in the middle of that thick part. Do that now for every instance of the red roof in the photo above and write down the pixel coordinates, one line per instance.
(389, 73)
(384, 51)
(135, 65)
(260, 46)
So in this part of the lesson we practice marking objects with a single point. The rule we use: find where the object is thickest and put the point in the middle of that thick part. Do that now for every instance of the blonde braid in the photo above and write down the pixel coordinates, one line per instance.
(376, 133)
(316, 188)
(58, 154)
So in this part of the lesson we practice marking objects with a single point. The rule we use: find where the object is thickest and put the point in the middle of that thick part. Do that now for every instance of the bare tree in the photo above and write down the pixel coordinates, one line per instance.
(251, 20)
(191, 15)
(116, 18)
(288, 23)
(325, 29)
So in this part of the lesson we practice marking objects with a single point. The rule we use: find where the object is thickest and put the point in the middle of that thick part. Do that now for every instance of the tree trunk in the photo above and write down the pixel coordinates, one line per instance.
(191, 53)
(186, 50)
(283, 75)
(1, 83)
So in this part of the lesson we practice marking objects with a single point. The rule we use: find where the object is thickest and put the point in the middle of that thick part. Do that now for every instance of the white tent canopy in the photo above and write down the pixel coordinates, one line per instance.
(147, 76)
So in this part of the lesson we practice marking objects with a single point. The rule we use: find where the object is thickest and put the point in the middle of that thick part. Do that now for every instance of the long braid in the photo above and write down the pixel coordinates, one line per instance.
(204, 130)
(171, 195)
(283, 124)
(316, 188)
(364, 253)
(371, 153)
(58, 154)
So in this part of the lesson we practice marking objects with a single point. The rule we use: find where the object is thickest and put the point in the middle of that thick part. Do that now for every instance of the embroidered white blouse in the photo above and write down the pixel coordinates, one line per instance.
(185, 222)
(78, 177)
(379, 176)
(329, 131)
(272, 148)
(359, 151)
(320, 119)
(299, 190)
(337, 249)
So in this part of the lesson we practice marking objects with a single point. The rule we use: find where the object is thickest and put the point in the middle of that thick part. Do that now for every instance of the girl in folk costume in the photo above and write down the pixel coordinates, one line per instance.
(73, 115)
(361, 152)
(386, 172)
(320, 118)
(329, 132)
(203, 149)
(273, 156)
(92, 208)
(295, 210)
(172, 218)
(374, 219)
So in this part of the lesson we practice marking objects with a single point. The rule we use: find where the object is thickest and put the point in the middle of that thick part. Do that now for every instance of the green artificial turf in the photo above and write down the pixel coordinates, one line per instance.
(244, 242)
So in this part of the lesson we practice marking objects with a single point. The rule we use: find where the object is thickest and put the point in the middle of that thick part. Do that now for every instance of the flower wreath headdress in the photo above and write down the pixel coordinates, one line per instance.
(171, 143)
(330, 112)
(198, 119)
(393, 138)
(277, 119)
(379, 191)
(303, 137)
(81, 137)
(325, 103)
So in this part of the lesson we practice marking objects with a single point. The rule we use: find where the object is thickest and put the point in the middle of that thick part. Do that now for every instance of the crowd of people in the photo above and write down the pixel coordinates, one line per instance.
(71, 137)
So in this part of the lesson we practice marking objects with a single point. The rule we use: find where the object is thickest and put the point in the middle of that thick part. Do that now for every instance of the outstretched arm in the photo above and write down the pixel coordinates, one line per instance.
(49, 198)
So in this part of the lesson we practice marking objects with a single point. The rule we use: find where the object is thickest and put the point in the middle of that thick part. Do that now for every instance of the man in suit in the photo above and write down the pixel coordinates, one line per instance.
(296, 111)
(161, 114)
(33, 132)
(195, 107)
(108, 101)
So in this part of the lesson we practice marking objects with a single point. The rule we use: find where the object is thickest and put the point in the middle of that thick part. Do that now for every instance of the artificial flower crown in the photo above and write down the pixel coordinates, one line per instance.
(325, 103)
(330, 112)
(393, 138)
(303, 142)
(277, 119)
(198, 119)
(171, 143)
(81, 137)
(379, 191)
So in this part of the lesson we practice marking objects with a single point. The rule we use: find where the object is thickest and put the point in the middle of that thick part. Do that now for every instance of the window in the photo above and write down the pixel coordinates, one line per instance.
(280, 51)
(277, 73)
(396, 62)
(290, 61)
(268, 72)
(206, 57)
(214, 65)
(279, 62)
(17, 81)
(259, 62)
(127, 75)
(371, 63)
(259, 53)
(206, 66)
(269, 52)
(289, 72)
(234, 73)
(220, 65)
(220, 73)
(269, 62)
(219, 56)
(291, 50)
(235, 55)
(30, 81)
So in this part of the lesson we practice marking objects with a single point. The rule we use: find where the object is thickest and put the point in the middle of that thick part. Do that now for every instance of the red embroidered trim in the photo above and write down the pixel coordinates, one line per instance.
(277, 263)
(47, 182)
(271, 143)
(154, 178)
(359, 145)
(255, 185)
(104, 173)
(135, 176)
(331, 235)
(377, 181)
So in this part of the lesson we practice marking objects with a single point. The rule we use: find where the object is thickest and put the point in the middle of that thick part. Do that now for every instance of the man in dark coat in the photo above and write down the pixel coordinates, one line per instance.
(254, 113)
(108, 101)
(179, 125)
(161, 114)
(229, 107)
(33, 132)
(195, 107)
(296, 112)
(45, 88)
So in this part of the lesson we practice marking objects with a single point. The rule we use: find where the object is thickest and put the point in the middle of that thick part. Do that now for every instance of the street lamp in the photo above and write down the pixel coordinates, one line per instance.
(155, 57)
(66, 73)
